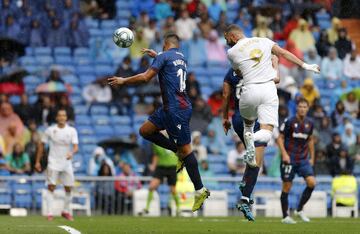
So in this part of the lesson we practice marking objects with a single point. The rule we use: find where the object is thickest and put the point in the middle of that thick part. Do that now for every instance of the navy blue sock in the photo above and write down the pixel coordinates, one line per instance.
(162, 141)
(284, 203)
(192, 169)
(249, 179)
(305, 197)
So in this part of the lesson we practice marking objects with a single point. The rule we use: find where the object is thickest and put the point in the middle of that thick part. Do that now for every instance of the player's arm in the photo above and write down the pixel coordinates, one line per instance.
(74, 150)
(280, 52)
(275, 63)
(312, 150)
(133, 80)
(225, 106)
(284, 155)
(39, 155)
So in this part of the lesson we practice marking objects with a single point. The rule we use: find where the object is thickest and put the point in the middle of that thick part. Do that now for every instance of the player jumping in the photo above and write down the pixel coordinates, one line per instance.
(63, 144)
(296, 142)
(174, 116)
(231, 81)
(251, 58)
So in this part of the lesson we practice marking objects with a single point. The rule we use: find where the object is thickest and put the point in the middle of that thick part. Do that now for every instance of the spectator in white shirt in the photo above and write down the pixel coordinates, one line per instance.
(352, 65)
(332, 66)
(198, 148)
(97, 92)
(235, 159)
(185, 26)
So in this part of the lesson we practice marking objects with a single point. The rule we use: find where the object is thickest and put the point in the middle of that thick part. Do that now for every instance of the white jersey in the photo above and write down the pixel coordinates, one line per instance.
(252, 56)
(60, 142)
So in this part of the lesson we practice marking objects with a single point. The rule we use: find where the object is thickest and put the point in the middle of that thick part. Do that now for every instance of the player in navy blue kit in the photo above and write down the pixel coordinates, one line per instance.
(230, 90)
(175, 113)
(296, 143)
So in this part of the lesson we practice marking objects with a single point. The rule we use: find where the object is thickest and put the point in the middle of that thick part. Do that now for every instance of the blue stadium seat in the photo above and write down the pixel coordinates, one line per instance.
(87, 79)
(29, 51)
(104, 70)
(76, 99)
(87, 149)
(207, 91)
(138, 119)
(23, 199)
(120, 120)
(44, 60)
(107, 24)
(85, 130)
(5, 196)
(99, 110)
(80, 61)
(83, 120)
(14, 99)
(32, 80)
(218, 168)
(63, 51)
(95, 32)
(217, 81)
(91, 22)
(124, 130)
(100, 119)
(63, 60)
(71, 79)
(123, 14)
(75, 90)
(82, 52)
(79, 108)
(123, 22)
(104, 131)
(88, 139)
(103, 61)
(27, 60)
(42, 51)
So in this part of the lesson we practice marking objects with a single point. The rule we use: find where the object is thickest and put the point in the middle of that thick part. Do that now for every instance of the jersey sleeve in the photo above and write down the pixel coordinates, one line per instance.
(75, 139)
(158, 62)
(46, 136)
(270, 43)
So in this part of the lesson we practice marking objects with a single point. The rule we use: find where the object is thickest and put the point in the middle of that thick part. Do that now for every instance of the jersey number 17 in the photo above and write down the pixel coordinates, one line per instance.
(182, 75)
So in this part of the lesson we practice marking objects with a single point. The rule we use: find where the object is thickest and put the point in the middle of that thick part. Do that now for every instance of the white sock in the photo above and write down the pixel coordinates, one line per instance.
(248, 127)
(245, 198)
(200, 190)
(67, 202)
(263, 136)
(50, 201)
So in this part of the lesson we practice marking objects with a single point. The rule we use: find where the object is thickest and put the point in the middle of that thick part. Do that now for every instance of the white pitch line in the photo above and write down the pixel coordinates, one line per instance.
(70, 229)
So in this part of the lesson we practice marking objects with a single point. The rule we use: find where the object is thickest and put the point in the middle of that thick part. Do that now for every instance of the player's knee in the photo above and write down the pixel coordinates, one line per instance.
(143, 132)
(263, 135)
(311, 184)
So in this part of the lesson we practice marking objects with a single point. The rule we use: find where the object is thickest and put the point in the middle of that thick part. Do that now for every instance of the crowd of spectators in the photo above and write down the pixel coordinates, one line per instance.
(200, 25)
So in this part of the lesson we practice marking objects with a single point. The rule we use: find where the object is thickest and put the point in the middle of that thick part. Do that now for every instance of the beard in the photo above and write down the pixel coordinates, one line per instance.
(230, 43)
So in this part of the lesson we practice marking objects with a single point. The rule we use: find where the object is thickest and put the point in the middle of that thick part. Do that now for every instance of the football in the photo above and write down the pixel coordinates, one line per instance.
(123, 37)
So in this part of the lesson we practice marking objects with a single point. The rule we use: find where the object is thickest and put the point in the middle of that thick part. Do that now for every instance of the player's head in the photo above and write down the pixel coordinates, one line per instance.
(171, 40)
(61, 116)
(302, 107)
(233, 34)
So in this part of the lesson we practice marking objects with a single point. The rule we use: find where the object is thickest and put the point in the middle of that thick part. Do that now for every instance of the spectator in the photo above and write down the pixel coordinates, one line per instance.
(125, 68)
(336, 152)
(323, 45)
(287, 68)
(104, 9)
(324, 133)
(169, 25)
(262, 29)
(351, 104)
(331, 66)
(31, 147)
(104, 191)
(77, 36)
(320, 166)
(352, 65)
(12, 28)
(349, 136)
(339, 91)
(317, 113)
(221, 24)
(291, 24)
(36, 34)
(149, 31)
(18, 161)
(157, 42)
(162, 10)
(24, 109)
(214, 10)
(198, 148)
(206, 172)
(333, 31)
(185, 26)
(97, 161)
(215, 102)
(144, 65)
(354, 151)
(201, 116)
(214, 48)
(138, 44)
(124, 189)
(55, 76)
(42, 111)
(277, 26)
(338, 115)
(56, 37)
(196, 50)
(4, 169)
(64, 104)
(309, 91)
(235, 159)
(205, 25)
(214, 144)
(143, 20)
(302, 36)
(243, 20)
(343, 45)
(192, 87)
(9, 118)
(97, 92)
(312, 58)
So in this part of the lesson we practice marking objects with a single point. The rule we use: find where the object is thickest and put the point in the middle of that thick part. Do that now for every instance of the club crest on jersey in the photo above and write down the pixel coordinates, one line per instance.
(296, 125)
(179, 126)
(306, 125)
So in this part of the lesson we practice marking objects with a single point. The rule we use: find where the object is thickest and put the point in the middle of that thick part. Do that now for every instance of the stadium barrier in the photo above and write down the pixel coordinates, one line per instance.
(98, 196)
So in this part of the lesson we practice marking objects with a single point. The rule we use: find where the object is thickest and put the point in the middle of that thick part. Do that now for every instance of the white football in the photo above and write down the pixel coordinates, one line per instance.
(123, 37)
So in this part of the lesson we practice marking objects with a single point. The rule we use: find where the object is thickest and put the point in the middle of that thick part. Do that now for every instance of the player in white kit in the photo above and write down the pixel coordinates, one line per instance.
(63, 144)
(251, 59)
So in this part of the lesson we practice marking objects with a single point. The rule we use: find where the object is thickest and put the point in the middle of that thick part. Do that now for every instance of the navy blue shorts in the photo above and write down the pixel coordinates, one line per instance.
(288, 171)
(238, 125)
(176, 124)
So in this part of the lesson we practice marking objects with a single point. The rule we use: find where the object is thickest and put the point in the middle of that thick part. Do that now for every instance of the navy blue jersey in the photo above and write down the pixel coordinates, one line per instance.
(171, 67)
(233, 80)
(297, 134)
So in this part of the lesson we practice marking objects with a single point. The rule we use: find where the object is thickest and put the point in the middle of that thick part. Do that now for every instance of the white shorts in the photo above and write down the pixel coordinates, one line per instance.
(260, 101)
(65, 177)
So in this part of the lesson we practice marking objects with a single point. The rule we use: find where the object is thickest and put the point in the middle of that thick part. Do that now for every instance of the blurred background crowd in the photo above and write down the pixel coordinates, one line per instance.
(58, 54)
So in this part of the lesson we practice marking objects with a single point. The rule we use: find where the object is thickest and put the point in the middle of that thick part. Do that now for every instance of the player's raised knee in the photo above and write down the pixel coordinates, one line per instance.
(263, 135)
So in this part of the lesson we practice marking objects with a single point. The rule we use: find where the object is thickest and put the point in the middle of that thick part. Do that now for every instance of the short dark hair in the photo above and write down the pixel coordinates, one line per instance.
(172, 38)
(232, 28)
(60, 109)
(303, 100)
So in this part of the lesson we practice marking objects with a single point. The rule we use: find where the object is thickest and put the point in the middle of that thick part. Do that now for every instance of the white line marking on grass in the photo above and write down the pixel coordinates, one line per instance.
(70, 229)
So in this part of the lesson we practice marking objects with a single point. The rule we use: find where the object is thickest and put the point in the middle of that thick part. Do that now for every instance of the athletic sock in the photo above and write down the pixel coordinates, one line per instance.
(263, 135)
(305, 197)
(249, 179)
(67, 202)
(149, 199)
(284, 204)
(249, 127)
(50, 202)
(192, 169)
(176, 200)
(162, 141)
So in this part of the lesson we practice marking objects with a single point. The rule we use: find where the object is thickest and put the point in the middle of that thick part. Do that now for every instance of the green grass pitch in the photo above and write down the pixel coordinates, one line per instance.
(141, 225)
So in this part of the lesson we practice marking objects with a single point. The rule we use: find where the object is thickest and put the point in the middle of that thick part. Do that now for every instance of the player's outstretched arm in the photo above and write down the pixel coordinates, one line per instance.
(284, 155)
(132, 80)
(280, 52)
(312, 150)
(275, 63)
(150, 52)
(39, 155)
(225, 107)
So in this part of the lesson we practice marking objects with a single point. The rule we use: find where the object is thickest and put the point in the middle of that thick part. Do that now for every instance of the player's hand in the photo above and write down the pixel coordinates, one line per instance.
(226, 125)
(312, 161)
(38, 167)
(69, 156)
(286, 158)
(150, 52)
(311, 67)
(116, 81)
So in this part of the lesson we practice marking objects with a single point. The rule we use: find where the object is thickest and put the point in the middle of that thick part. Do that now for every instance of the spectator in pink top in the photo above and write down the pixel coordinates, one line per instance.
(214, 48)
(9, 117)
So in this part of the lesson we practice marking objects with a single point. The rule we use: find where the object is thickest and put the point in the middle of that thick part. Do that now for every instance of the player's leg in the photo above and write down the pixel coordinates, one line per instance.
(51, 178)
(287, 176)
(175, 197)
(154, 184)
(171, 179)
(68, 181)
